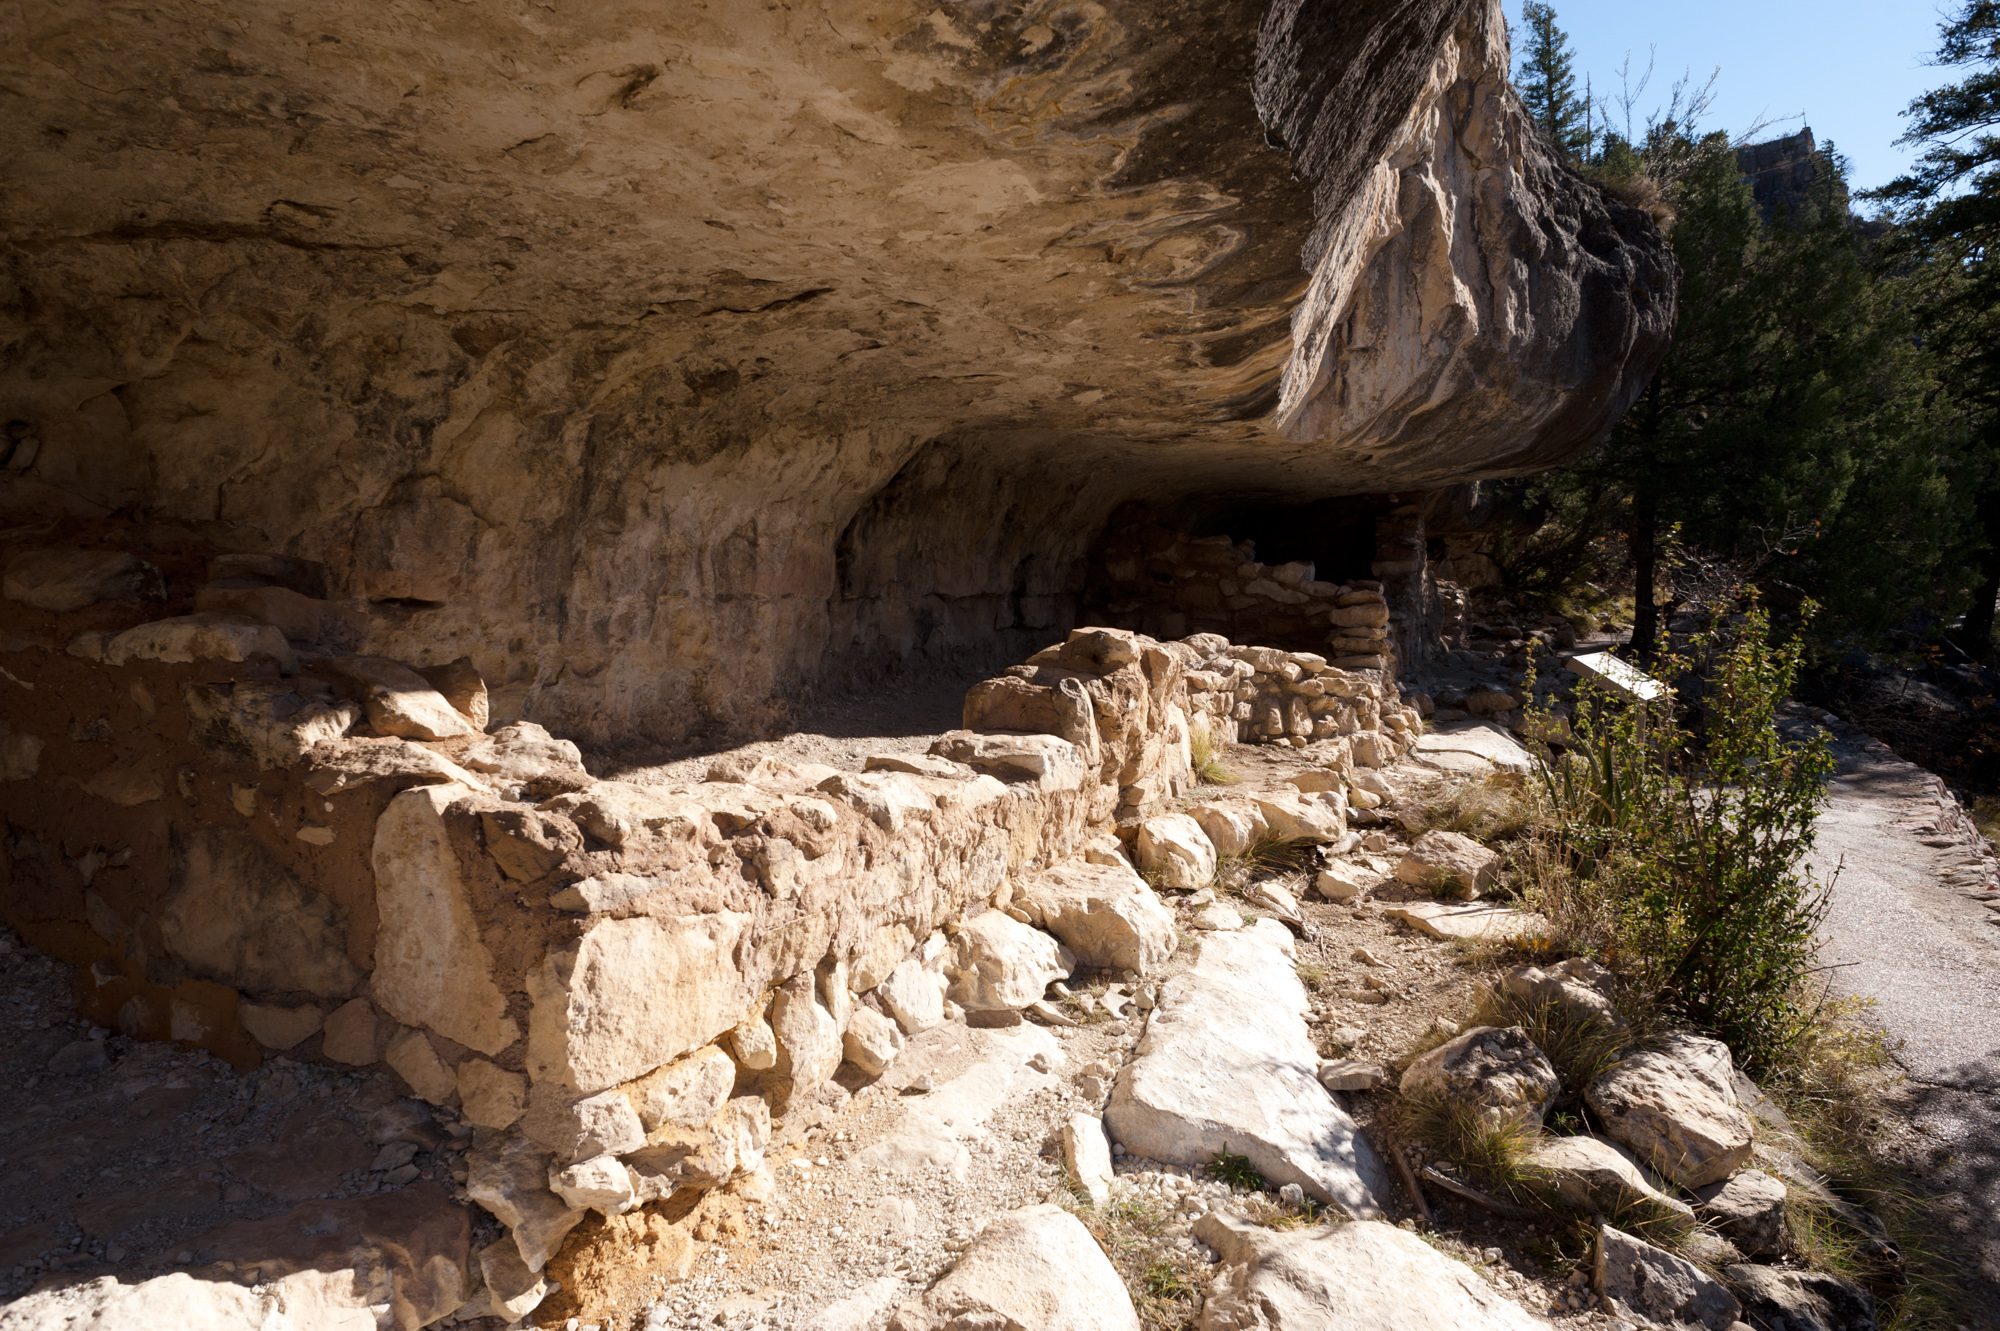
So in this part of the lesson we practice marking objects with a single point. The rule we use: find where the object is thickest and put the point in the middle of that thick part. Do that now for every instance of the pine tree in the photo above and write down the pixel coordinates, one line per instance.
(1547, 82)
(1950, 206)
(1794, 429)
(1954, 190)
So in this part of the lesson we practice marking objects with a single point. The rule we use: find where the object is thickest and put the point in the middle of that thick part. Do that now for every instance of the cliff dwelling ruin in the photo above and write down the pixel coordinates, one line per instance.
(449, 449)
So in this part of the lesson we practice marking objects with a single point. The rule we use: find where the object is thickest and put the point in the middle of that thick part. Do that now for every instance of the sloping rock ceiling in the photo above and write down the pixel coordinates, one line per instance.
(671, 358)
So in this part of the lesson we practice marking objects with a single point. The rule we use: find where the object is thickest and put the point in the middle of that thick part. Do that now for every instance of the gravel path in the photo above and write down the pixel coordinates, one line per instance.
(1911, 928)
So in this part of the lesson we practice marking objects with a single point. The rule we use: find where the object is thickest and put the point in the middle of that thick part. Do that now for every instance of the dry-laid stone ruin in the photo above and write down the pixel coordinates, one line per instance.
(407, 414)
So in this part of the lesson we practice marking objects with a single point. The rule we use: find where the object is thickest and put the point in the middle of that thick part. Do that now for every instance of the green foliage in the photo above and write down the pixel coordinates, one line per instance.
(1677, 844)
(1948, 207)
(1801, 431)
(1547, 83)
(1238, 1173)
(1827, 420)
(1954, 189)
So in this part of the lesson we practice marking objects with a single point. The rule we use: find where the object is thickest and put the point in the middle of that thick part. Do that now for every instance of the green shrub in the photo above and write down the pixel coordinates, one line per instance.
(1673, 843)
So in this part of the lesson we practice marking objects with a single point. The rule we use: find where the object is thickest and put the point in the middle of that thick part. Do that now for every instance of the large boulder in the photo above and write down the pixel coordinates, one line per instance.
(1675, 1106)
(872, 1041)
(432, 965)
(178, 1299)
(510, 1178)
(61, 580)
(1176, 852)
(1496, 1072)
(1292, 817)
(1105, 914)
(1048, 761)
(186, 639)
(914, 993)
(1594, 1177)
(1233, 826)
(810, 1046)
(1450, 864)
(1036, 1269)
(1802, 1300)
(1660, 1287)
(1749, 1209)
(1345, 1277)
(1227, 1065)
(999, 963)
(1579, 989)
(629, 995)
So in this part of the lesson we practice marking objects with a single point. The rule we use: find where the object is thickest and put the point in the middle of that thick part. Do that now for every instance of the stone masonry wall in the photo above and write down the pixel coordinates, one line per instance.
(1171, 584)
(253, 841)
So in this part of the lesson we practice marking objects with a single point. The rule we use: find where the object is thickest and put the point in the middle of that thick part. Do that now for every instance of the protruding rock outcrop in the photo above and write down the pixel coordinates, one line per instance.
(662, 360)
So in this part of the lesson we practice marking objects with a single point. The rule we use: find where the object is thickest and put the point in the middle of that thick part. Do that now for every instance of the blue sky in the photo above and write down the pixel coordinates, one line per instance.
(1850, 66)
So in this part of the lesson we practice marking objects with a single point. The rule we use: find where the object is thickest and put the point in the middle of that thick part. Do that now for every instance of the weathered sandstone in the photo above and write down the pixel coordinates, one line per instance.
(915, 316)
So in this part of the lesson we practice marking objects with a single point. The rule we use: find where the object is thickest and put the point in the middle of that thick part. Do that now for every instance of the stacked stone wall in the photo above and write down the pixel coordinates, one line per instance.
(251, 839)
(1172, 585)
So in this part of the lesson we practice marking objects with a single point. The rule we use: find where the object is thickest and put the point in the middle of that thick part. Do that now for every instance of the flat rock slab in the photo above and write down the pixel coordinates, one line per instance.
(1227, 1065)
(1594, 1177)
(1346, 1277)
(1472, 748)
(1036, 1268)
(936, 1127)
(1471, 922)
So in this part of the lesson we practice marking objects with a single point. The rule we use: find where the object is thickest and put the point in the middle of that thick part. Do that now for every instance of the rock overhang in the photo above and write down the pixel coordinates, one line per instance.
(661, 357)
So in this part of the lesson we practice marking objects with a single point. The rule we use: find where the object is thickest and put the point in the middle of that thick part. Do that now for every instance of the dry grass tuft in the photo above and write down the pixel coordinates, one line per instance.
(1489, 809)
(1579, 1046)
(1493, 1154)
(1205, 756)
(1268, 858)
(1165, 1279)
(1835, 1088)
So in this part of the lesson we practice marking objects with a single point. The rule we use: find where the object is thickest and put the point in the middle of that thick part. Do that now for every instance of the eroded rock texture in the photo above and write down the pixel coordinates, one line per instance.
(665, 358)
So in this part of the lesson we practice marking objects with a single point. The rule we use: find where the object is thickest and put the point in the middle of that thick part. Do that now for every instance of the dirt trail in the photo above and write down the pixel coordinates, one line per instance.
(1911, 928)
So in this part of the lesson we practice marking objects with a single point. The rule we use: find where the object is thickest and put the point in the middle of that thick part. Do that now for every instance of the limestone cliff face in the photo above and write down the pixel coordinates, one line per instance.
(668, 358)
